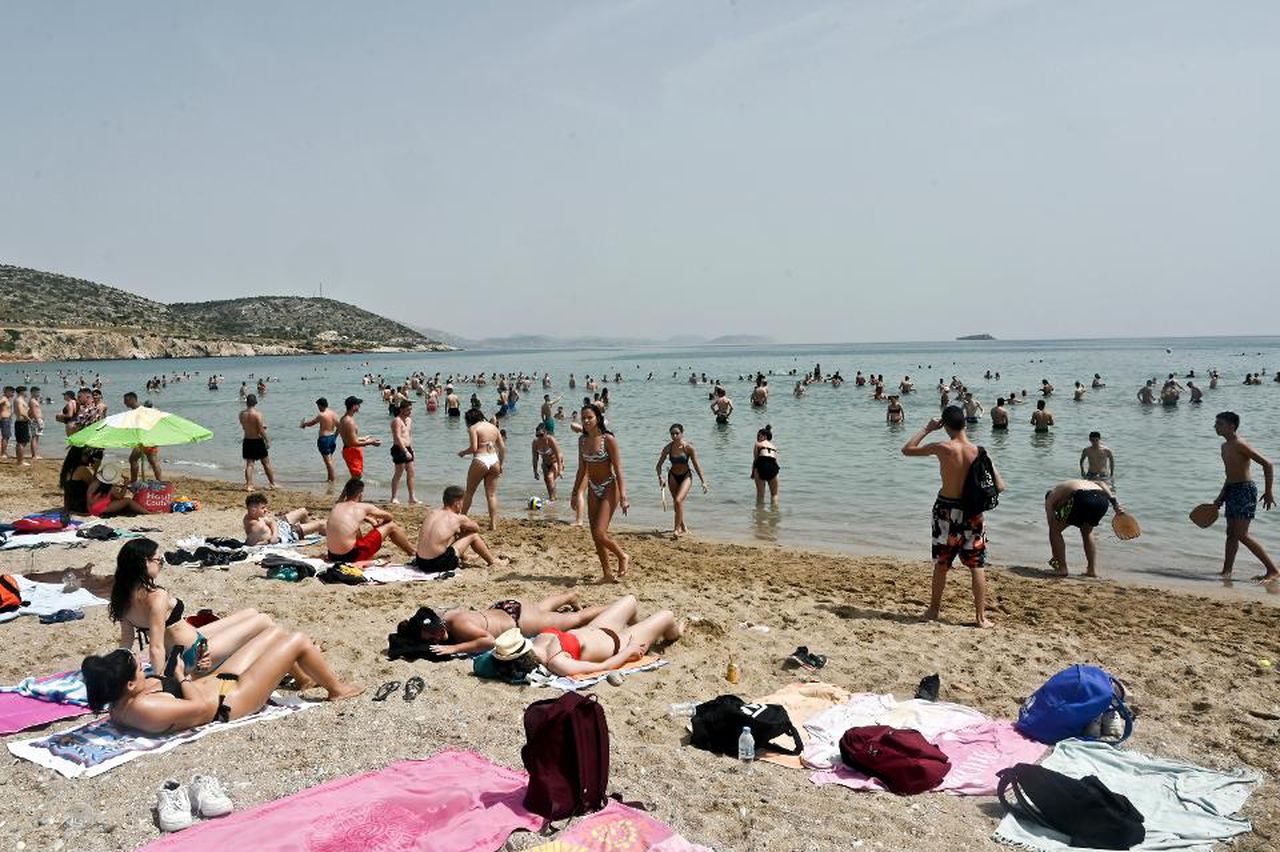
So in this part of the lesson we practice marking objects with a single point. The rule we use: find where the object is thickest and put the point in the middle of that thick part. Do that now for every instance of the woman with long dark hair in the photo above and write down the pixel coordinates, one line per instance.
(488, 451)
(600, 468)
(764, 465)
(679, 478)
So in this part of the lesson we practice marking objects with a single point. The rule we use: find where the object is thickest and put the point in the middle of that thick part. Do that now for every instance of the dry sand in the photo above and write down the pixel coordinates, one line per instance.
(1189, 662)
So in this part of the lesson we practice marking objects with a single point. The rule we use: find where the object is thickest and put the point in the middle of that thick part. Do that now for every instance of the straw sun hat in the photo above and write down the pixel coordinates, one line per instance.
(510, 645)
(109, 472)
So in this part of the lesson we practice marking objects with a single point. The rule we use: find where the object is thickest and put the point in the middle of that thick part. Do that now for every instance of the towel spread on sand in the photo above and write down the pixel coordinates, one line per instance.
(930, 718)
(48, 598)
(455, 802)
(101, 745)
(22, 712)
(976, 753)
(13, 542)
(572, 683)
(619, 828)
(62, 688)
(802, 701)
(1183, 806)
(401, 574)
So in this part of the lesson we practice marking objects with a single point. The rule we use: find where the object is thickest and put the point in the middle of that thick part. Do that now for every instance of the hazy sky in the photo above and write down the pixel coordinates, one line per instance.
(816, 172)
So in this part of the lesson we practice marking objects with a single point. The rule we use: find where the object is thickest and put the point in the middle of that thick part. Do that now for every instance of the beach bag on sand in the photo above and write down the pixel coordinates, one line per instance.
(903, 760)
(10, 597)
(1083, 809)
(718, 723)
(1069, 701)
(980, 493)
(566, 754)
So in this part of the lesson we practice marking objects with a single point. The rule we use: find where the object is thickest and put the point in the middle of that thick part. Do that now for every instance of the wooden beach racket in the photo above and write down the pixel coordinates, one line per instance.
(1205, 515)
(1125, 526)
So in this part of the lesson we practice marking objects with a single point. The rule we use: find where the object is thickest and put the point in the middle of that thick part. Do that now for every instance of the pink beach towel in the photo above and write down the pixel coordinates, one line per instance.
(455, 802)
(619, 828)
(20, 712)
(976, 753)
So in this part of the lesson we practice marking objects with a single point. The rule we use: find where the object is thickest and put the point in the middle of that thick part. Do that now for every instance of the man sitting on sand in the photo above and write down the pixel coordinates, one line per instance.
(1102, 464)
(954, 534)
(262, 527)
(1239, 495)
(469, 631)
(447, 535)
(342, 530)
(1076, 503)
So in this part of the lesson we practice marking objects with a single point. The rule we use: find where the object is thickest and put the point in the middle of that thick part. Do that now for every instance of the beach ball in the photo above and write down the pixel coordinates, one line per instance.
(535, 502)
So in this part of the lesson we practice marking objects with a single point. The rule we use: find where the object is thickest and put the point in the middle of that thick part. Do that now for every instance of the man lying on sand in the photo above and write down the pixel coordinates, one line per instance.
(342, 530)
(467, 630)
(262, 527)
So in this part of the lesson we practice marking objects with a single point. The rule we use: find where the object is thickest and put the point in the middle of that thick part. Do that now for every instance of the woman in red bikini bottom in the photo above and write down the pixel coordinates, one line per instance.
(464, 631)
(610, 640)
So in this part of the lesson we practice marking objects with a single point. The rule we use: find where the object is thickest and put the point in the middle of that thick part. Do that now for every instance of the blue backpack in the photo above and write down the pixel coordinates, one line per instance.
(1069, 701)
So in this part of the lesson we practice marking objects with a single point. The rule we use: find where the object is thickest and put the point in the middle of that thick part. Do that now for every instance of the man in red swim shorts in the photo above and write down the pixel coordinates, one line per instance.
(353, 443)
(343, 534)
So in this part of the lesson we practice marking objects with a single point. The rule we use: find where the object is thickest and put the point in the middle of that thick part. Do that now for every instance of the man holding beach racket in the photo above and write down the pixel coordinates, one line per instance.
(1082, 503)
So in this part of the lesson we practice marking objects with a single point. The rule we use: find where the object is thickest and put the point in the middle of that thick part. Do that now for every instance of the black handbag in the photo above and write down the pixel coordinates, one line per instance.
(718, 723)
(1083, 809)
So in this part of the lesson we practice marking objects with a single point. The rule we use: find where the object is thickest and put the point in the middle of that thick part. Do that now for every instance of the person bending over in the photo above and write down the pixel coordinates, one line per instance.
(342, 530)
(1076, 503)
(464, 631)
(447, 535)
(262, 527)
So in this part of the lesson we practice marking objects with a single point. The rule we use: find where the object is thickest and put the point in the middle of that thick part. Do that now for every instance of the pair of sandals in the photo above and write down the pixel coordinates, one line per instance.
(61, 616)
(412, 689)
(806, 659)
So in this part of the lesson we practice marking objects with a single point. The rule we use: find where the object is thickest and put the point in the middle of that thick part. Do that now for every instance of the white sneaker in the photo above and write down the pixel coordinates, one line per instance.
(173, 807)
(208, 797)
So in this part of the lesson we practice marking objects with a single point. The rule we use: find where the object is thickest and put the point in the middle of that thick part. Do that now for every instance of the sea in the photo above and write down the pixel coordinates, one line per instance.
(844, 485)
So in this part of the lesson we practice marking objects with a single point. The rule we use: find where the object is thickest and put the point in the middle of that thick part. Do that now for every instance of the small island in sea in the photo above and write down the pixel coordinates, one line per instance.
(976, 337)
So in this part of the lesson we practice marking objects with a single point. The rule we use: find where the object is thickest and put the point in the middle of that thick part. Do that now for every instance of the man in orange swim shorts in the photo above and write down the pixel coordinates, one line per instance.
(353, 443)
(343, 528)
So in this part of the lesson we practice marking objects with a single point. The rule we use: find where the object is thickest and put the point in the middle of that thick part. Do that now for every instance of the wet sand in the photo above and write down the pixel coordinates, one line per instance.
(1188, 660)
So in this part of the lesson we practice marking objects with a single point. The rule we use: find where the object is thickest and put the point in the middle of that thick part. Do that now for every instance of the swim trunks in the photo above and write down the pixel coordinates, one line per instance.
(971, 420)
(446, 561)
(327, 444)
(955, 535)
(22, 432)
(253, 449)
(6, 428)
(1240, 499)
(1083, 508)
(511, 607)
(1000, 427)
(367, 547)
(454, 412)
(550, 425)
(401, 456)
(354, 457)
(722, 419)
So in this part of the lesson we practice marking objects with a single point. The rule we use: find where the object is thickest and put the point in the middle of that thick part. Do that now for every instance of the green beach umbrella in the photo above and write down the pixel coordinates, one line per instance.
(147, 427)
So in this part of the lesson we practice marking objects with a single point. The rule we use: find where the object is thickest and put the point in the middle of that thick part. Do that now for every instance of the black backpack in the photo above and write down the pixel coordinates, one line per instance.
(718, 723)
(980, 492)
(566, 753)
(1083, 809)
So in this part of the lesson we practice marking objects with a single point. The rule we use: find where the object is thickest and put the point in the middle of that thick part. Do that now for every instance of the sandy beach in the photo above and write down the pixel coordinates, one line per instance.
(1189, 662)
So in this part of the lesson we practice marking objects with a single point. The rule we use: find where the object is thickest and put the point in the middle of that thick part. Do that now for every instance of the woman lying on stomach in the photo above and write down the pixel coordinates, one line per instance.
(158, 705)
(612, 639)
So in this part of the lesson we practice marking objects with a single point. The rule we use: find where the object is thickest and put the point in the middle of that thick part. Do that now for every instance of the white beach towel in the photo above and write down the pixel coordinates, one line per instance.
(48, 598)
(571, 684)
(401, 574)
(14, 542)
(930, 718)
(1184, 806)
(100, 746)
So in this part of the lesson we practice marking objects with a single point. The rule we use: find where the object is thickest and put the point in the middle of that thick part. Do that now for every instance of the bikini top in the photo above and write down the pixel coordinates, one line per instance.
(675, 459)
(568, 642)
(602, 456)
(175, 615)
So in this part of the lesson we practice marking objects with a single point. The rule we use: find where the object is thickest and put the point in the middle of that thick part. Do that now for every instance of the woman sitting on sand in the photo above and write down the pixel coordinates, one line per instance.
(600, 469)
(163, 704)
(146, 611)
(78, 471)
(469, 630)
(610, 640)
(108, 496)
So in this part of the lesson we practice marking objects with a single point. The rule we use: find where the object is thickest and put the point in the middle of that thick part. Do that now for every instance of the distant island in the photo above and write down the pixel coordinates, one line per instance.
(543, 341)
(49, 317)
(976, 337)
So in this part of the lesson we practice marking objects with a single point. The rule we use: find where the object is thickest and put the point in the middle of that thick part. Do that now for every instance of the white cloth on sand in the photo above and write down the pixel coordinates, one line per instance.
(930, 718)
(48, 598)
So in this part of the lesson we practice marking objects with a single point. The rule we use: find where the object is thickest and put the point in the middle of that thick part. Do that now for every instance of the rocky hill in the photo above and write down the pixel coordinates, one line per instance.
(50, 317)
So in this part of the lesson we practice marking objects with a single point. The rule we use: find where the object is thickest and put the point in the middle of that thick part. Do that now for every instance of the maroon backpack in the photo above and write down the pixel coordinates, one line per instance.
(902, 759)
(566, 753)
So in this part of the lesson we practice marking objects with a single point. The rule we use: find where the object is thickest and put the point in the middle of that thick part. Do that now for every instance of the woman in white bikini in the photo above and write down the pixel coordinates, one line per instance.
(488, 450)
(684, 462)
(600, 468)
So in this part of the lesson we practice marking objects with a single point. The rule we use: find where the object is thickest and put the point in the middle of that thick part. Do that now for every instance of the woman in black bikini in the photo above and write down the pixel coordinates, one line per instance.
(468, 631)
(600, 468)
(612, 639)
(679, 480)
(161, 704)
(764, 465)
(547, 450)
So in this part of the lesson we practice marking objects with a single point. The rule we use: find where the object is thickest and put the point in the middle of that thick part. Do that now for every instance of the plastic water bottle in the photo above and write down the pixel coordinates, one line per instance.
(746, 746)
(684, 708)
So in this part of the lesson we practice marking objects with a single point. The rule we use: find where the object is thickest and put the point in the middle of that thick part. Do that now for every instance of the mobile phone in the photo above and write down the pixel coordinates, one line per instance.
(171, 663)
(202, 648)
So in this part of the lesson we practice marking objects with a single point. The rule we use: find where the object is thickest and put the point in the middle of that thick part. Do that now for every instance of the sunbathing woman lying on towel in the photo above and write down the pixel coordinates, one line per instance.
(146, 610)
(612, 639)
(468, 630)
(159, 705)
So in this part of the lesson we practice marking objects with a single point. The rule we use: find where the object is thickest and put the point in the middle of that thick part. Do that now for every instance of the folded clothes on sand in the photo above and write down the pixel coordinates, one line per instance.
(456, 801)
(48, 598)
(22, 712)
(1183, 806)
(101, 745)
(617, 828)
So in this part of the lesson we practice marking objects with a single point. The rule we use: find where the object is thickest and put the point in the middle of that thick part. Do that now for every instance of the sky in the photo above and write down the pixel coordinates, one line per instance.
(811, 172)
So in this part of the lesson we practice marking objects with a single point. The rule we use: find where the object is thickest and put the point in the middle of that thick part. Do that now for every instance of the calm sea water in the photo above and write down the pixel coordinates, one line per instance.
(844, 484)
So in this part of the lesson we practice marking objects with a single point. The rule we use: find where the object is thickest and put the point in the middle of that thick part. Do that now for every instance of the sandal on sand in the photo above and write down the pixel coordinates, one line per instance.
(928, 688)
(802, 656)
(385, 690)
(413, 687)
(61, 616)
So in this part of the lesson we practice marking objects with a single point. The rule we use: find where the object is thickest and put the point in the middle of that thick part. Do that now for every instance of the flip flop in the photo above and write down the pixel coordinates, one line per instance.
(385, 690)
(61, 616)
(803, 657)
(413, 687)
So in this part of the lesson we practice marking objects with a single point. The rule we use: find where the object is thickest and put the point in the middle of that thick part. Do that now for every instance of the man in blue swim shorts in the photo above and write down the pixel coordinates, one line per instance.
(1239, 495)
(327, 441)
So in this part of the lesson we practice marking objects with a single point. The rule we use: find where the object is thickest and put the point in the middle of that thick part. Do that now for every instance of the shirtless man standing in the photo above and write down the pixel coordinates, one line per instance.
(447, 534)
(342, 529)
(953, 533)
(255, 446)
(140, 452)
(353, 443)
(972, 408)
(327, 440)
(1147, 393)
(402, 450)
(451, 404)
(1102, 464)
(722, 406)
(22, 425)
(6, 421)
(37, 422)
(1041, 419)
(999, 416)
(1240, 495)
